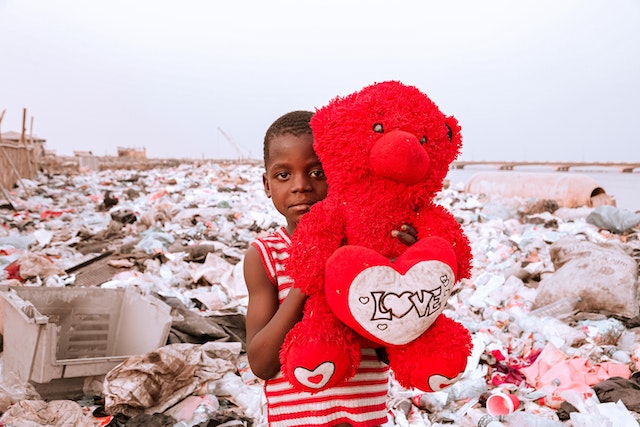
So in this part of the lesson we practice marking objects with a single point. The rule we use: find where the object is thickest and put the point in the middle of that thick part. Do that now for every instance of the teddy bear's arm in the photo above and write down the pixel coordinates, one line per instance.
(438, 221)
(318, 235)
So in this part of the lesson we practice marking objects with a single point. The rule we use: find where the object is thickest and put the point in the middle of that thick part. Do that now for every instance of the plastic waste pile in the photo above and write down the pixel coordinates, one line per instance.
(552, 304)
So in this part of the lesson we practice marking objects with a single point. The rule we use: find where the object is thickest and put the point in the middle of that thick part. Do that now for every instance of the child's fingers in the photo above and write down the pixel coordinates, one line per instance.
(403, 237)
(408, 228)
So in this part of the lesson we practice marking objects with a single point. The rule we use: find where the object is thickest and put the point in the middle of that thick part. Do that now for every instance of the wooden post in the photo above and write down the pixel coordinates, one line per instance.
(31, 131)
(33, 162)
(1, 117)
(24, 126)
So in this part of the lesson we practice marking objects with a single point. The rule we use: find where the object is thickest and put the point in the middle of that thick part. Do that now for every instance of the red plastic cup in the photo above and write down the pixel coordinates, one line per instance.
(502, 404)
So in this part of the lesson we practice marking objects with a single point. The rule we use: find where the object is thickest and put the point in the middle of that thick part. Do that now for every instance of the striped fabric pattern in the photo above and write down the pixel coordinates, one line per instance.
(360, 401)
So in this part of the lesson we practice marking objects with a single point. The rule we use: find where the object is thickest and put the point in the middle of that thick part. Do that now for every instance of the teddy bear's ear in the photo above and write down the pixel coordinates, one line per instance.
(454, 130)
(322, 118)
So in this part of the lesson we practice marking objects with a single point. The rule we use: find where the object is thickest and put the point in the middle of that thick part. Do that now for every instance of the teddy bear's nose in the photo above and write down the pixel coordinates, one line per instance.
(399, 155)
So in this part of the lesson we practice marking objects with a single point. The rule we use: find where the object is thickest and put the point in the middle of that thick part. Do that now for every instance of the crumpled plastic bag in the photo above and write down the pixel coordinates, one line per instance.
(191, 327)
(228, 290)
(233, 388)
(155, 241)
(194, 410)
(13, 389)
(31, 265)
(602, 275)
(57, 413)
(613, 219)
(157, 380)
(592, 413)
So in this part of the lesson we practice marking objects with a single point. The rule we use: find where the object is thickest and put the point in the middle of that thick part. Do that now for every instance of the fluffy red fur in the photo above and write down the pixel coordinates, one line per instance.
(386, 150)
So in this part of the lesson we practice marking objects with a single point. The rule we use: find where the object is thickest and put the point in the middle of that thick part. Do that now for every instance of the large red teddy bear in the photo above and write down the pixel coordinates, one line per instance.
(386, 150)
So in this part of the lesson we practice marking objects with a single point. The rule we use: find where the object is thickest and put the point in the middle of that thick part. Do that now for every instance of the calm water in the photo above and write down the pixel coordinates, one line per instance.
(625, 187)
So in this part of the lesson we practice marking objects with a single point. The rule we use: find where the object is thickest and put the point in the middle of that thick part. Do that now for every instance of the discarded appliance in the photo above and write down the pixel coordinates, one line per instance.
(58, 333)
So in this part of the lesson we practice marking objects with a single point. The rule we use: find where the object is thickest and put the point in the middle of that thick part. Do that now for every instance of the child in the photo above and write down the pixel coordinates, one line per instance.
(294, 180)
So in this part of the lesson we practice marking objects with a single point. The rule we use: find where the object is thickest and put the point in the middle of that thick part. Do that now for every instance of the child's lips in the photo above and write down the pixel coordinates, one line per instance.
(300, 207)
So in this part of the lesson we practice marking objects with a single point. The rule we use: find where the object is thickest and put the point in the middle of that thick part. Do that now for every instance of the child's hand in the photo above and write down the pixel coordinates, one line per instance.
(381, 352)
(407, 234)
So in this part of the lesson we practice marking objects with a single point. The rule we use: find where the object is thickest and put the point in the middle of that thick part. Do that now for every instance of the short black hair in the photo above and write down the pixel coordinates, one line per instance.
(295, 123)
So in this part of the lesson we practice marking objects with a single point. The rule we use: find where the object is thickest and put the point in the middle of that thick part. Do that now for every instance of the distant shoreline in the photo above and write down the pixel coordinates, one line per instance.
(556, 166)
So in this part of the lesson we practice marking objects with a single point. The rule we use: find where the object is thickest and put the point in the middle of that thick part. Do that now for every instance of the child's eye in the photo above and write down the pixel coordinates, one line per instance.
(282, 175)
(319, 173)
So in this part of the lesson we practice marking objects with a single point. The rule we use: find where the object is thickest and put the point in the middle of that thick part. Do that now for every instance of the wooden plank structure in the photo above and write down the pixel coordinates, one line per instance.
(20, 154)
(132, 153)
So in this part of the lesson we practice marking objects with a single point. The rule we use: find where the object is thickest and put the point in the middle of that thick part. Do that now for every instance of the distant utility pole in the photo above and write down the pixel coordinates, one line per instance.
(242, 154)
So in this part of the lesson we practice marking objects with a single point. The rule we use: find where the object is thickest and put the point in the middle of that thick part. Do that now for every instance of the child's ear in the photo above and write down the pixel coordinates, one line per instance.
(265, 184)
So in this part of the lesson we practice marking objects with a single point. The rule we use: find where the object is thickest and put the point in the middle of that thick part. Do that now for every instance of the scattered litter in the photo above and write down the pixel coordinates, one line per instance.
(602, 275)
(552, 303)
(613, 219)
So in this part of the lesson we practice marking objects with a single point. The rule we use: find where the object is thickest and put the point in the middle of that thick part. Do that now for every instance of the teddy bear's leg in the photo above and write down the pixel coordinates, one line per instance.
(319, 351)
(434, 360)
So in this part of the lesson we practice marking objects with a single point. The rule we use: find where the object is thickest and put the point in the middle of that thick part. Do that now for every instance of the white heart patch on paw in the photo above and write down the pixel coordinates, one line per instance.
(316, 378)
(391, 303)
(440, 382)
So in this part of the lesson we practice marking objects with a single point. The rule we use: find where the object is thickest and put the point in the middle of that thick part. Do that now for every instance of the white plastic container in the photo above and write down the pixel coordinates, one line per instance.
(54, 333)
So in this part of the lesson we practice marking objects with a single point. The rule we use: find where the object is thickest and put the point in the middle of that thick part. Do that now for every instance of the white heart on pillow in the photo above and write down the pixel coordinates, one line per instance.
(390, 302)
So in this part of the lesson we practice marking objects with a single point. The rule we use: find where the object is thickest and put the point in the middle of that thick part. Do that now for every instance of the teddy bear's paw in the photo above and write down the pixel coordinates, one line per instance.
(434, 361)
(317, 378)
(313, 361)
(317, 365)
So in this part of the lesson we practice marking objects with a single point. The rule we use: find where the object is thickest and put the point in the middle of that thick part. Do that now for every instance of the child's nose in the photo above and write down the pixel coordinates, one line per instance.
(301, 183)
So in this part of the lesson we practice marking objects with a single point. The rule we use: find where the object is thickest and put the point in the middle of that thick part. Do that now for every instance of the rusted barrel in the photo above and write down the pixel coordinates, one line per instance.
(567, 189)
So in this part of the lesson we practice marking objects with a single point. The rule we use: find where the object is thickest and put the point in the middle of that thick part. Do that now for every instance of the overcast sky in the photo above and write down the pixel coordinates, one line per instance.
(528, 80)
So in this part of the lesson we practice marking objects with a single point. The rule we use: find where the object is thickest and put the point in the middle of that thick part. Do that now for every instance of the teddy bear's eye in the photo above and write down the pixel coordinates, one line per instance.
(378, 128)
(423, 140)
(449, 132)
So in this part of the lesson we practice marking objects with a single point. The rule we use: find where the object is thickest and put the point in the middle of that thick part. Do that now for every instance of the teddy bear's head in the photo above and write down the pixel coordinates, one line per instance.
(386, 134)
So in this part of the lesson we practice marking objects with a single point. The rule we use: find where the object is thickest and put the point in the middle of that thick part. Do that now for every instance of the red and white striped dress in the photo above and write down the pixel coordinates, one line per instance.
(360, 401)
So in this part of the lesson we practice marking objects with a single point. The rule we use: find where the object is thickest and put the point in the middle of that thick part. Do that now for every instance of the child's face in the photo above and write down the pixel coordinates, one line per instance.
(294, 178)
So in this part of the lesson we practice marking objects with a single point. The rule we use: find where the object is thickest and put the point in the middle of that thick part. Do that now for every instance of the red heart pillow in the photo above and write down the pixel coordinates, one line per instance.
(391, 302)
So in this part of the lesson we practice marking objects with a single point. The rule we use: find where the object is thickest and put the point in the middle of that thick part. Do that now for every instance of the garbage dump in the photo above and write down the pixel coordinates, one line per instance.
(552, 305)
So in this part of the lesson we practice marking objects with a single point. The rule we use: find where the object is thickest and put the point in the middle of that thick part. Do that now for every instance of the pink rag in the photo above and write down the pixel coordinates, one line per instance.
(553, 367)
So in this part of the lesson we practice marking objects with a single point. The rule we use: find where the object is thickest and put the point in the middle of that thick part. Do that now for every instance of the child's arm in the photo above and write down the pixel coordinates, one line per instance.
(267, 322)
